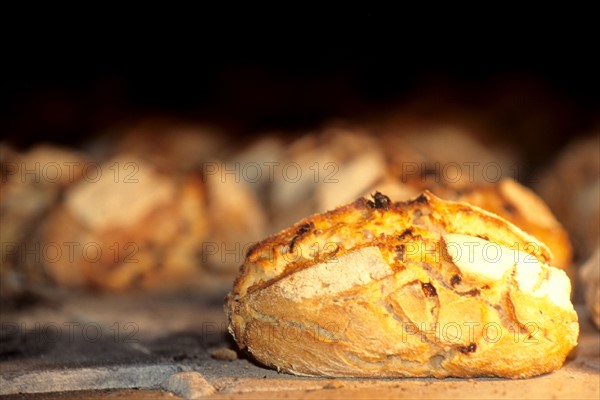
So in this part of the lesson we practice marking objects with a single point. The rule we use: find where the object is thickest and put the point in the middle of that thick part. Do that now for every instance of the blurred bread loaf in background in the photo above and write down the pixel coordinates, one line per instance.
(133, 226)
(590, 277)
(571, 187)
(33, 182)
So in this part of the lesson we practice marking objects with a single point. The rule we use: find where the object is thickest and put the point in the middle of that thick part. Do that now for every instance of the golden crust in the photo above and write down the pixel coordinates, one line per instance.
(507, 199)
(524, 208)
(371, 289)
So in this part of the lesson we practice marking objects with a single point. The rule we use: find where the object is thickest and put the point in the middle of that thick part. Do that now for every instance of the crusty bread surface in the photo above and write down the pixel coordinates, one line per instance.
(421, 288)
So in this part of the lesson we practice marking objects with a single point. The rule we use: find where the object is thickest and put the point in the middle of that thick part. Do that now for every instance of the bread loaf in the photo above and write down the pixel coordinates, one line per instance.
(32, 183)
(590, 277)
(138, 229)
(571, 187)
(422, 288)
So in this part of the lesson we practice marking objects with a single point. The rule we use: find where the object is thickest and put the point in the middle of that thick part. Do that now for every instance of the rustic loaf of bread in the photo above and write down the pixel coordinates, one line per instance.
(590, 276)
(571, 187)
(140, 228)
(422, 288)
(33, 182)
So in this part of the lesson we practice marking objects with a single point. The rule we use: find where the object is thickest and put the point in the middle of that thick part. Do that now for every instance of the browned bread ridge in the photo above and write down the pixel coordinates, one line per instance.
(522, 207)
(420, 288)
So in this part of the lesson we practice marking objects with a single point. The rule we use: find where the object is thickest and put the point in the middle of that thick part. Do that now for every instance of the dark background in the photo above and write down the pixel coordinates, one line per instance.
(534, 79)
